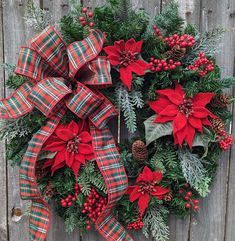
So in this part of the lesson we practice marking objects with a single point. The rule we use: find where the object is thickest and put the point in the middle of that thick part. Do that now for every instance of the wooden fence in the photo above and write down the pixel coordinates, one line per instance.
(215, 220)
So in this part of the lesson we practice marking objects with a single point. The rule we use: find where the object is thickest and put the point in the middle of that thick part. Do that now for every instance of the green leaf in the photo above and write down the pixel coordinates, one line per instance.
(153, 131)
(46, 155)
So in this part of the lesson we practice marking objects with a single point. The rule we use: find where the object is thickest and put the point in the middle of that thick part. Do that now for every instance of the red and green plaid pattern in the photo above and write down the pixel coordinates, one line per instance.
(40, 211)
(45, 62)
(48, 93)
(83, 102)
(17, 104)
(31, 64)
(97, 73)
(82, 52)
(52, 49)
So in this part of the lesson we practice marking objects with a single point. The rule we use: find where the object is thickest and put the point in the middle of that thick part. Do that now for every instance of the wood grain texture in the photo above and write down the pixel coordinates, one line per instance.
(210, 221)
(3, 176)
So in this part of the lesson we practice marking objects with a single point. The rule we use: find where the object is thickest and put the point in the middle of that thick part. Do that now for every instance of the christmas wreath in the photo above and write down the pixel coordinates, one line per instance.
(158, 78)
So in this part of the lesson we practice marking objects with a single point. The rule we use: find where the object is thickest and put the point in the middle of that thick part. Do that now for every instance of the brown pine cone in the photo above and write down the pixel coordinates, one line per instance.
(221, 101)
(49, 190)
(168, 197)
(217, 125)
(176, 53)
(139, 151)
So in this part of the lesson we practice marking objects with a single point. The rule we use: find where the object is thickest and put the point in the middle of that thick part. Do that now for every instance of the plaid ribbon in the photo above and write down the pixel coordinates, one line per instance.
(53, 69)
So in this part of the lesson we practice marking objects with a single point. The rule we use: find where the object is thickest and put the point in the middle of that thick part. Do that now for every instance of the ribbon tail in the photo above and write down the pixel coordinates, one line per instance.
(40, 210)
(112, 169)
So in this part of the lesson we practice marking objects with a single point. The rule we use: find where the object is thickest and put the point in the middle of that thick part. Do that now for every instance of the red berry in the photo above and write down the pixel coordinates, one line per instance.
(188, 205)
(81, 19)
(84, 10)
(64, 205)
(196, 202)
(186, 185)
(90, 14)
(196, 207)
(186, 198)
(181, 191)
(91, 24)
(189, 194)
(69, 204)
(83, 23)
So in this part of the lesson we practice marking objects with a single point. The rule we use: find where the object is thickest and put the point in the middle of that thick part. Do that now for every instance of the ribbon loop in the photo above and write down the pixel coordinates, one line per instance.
(84, 51)
(84, 102)
(48, 93)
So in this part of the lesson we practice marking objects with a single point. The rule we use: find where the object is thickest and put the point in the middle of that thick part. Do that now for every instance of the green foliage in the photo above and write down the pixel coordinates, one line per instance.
(194, 171)
(127, 102)
(155, 223)
(169, 20)
(89, 175)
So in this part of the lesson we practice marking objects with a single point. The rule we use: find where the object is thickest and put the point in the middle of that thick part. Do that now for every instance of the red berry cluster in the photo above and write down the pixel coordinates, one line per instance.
(182, 41)
(225, 140)
(157, 32)
(94, 205)
(202, 65)
(138, 224)
(157, 65)
(84, 20)
(68, 201)
(188, 197)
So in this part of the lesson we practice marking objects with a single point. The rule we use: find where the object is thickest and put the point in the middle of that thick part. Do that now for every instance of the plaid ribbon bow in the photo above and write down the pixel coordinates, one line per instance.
(53, 69)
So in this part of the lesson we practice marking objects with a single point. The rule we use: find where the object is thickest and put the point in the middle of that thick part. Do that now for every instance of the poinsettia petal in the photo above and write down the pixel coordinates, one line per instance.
(201, 112)
(90, 157)
(163, 119)
(59, 161)
(69, 158)
(114, 60)
(85, 137)
(85, 148)
(142, 64)
(195, 122)
(64, 134)
(135, 194)
(119, 45)
(75, 167)
(139, 46)
(181, 135)
(112, 50)
(190, 136)
(56, 146)
(130, 189)
(73, 127)
(202, 99)
(159, 105)
(54, 168)
(179, 122)
(136, 68)
(130, 45)
(145, 176)
(80, 158)
(206, 122)
(175, 98)
(166, 92)
(48, 163)
(179, 89)
(126, 77)
(143, 202)
(170, 110)
(157, 176)
(159, 192)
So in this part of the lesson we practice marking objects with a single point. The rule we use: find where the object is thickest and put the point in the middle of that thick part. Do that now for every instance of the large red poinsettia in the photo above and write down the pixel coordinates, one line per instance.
(72, 144)
(187, 114)
(146, 187)
(126, 57)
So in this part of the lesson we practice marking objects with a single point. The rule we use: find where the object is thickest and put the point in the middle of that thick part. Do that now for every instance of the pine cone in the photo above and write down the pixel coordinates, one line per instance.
(168, 197)
(217, 125)
(221, 101)
(139, 151)
(49, 190)
(176, 53)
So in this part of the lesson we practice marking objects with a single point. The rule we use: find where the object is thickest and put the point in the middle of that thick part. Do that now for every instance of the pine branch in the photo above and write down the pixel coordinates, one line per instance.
(194, 171)
(155, 223)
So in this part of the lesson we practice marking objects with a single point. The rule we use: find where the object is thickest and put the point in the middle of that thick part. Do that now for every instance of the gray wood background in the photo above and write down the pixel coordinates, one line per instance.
(216, 217)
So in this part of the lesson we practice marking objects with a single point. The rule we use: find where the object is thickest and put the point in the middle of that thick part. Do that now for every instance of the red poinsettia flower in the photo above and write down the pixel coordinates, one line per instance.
(187, 114)
(146, 187)
(125, 56)
(72, 144)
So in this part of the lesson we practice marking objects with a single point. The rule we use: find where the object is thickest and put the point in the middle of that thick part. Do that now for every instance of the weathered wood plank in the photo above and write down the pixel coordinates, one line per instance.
(210, 221)
(3, 177)
(15, 34)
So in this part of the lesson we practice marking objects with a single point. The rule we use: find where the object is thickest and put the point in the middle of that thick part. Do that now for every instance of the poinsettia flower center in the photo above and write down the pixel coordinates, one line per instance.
(127, 57)
(147, 187)
(186, 107)
(72, 145)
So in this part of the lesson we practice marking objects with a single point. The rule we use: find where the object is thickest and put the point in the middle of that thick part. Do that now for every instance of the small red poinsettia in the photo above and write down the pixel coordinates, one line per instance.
(187, 114)
(72, 143)
(146, 187)
(125, 56)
